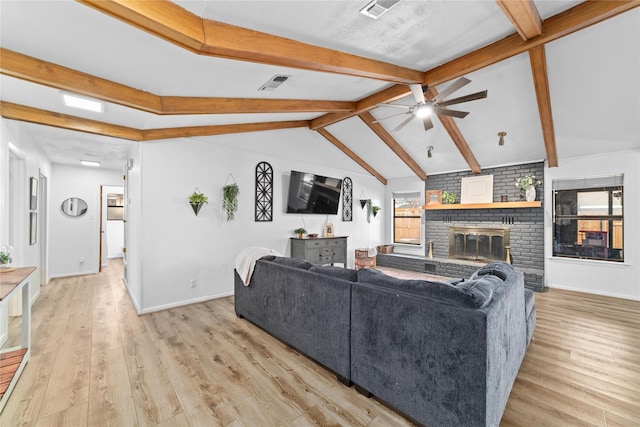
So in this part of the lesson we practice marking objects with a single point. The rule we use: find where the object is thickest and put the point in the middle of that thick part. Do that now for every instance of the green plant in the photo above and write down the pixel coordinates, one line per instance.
(230, 200)
(448, 198)
(527, 182)
(369, 210)
(300, 231)
(197, 198)
(4, 258)
(375, 210)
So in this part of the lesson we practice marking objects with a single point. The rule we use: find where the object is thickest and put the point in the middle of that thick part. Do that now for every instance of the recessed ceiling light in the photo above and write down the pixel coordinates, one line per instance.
(89, 163)
(376, 8)
(76, 101)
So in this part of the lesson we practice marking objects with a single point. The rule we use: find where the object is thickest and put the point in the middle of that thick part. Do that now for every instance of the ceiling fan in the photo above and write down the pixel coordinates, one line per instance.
(425, 109)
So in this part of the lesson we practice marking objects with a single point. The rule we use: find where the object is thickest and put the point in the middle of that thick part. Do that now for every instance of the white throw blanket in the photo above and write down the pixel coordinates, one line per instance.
(246, 261)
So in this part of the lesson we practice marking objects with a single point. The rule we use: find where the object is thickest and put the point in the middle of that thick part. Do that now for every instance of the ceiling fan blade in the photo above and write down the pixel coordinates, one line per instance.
(452, 113)
(388, 117)
(406, 107)
(403, 124)
(418, 93)
(466, 98)
(428, 124)
(462, 81)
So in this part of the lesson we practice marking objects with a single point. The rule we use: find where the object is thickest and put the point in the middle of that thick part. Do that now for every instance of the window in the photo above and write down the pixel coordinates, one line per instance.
(588, 218)
(407, 208)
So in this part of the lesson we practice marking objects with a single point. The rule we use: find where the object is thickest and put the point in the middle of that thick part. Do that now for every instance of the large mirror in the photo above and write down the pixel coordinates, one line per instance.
(74, 207)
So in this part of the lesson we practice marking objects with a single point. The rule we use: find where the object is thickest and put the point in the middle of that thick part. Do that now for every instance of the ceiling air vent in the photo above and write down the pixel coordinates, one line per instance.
(376, 8)
(274, 82)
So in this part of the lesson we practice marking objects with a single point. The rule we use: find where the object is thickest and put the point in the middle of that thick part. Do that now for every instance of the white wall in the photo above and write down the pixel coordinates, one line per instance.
(32, 163)
(176, 246)
(599, 277)
(74, 243)
(403, 185)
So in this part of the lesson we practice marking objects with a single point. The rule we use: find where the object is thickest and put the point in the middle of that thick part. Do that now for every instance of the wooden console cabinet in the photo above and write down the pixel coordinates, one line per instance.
(320, 250)
(14, 359)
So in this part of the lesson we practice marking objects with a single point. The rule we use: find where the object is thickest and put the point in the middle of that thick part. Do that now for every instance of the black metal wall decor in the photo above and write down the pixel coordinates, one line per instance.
(264, 192)
(347, 199)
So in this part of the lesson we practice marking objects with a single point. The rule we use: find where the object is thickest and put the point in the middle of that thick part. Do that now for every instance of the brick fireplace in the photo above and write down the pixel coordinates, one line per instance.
(524, 228)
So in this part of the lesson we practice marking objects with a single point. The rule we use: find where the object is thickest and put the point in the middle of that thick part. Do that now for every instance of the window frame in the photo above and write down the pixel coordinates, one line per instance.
(610, 218)
(407, 195)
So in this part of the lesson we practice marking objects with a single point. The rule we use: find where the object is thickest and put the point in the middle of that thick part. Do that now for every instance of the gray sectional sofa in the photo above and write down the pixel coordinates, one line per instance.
(443, 354)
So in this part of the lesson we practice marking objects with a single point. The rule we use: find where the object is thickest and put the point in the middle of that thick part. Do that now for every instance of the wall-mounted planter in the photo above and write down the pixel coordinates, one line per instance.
(196, 207)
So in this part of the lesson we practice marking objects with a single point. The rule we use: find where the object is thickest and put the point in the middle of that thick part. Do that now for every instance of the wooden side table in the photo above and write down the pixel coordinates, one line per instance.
(13, 360)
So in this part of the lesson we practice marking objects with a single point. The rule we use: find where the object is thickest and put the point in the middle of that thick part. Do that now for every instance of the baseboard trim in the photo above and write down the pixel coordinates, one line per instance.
(592, 292)
(185, 302)
(78, 273)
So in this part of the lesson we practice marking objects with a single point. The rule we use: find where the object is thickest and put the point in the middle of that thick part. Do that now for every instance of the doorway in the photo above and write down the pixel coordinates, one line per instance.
(111, 223)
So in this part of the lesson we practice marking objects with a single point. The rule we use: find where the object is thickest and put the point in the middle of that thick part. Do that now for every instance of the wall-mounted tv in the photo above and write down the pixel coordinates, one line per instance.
(313, 194)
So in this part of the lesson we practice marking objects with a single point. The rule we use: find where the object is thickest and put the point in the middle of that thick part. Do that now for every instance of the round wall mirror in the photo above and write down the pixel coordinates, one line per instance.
(74, 207)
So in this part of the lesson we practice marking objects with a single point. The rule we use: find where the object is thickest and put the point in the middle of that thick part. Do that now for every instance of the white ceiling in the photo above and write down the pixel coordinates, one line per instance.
(593, 76)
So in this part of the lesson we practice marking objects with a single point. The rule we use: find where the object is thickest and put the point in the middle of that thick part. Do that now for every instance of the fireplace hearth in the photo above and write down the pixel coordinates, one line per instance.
(478, 243)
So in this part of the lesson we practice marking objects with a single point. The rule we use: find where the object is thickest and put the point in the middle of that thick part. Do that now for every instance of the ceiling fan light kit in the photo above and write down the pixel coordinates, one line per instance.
(424, 108)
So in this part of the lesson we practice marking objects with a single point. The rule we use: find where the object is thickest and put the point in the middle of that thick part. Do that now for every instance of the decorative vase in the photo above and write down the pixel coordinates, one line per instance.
(530, 194)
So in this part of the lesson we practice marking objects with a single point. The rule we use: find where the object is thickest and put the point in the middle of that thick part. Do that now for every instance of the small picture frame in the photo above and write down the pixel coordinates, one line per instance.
(434, 197)
(33, 228)
(327, 230)
(33, 193)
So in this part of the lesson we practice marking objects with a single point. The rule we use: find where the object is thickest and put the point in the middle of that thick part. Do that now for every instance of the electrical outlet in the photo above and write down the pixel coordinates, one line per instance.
(193, 283)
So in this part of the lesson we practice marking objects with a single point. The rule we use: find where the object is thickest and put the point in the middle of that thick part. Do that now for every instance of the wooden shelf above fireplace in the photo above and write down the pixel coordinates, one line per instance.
(496, 205)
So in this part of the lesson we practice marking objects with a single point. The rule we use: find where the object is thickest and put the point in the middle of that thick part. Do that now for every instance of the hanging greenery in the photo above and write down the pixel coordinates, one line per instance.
(369, 210)
(230, 200)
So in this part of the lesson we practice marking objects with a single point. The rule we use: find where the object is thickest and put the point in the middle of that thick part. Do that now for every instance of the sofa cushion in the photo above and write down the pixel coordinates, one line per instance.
(339, 272)
(481, 289)
(500, 269)
(268, 258)
(433, 289)
(293, 262)
(529, 302)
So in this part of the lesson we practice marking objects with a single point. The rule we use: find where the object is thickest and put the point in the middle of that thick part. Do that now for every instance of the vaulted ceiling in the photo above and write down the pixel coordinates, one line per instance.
(562, 77)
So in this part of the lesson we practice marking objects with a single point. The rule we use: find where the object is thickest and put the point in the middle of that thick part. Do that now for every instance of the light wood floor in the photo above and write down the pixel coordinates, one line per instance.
(96, 363)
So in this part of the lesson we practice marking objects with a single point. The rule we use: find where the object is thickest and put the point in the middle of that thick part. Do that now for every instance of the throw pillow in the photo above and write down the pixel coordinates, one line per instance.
(480, 290)
(498, 268)
(293, 262)
(339, 272)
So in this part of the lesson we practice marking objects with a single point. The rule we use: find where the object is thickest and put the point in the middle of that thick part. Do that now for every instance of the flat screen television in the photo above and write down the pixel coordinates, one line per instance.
(313, 194)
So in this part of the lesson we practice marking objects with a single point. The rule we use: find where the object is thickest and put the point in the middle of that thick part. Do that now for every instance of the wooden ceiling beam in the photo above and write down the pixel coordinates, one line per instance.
(390, 94)
(193, 105)
(35, 70)
(456, 136)
(64, 121)
(48, 74)
(524, 16)
(175, 24)
(185, 132)
(377, 128)
(538, 61)
(577, 18)
(335, 141)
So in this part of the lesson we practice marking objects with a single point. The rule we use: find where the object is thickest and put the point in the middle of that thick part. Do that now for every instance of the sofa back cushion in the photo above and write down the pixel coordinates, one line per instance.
(293, 262)
(339, 272)
(481, 289)
(474, 295)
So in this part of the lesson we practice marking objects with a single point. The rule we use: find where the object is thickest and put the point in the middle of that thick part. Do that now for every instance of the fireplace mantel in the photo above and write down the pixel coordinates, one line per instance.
(495, 205)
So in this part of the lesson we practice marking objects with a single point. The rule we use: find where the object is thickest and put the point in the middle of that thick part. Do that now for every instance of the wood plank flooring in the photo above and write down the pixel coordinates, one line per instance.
(95, 362)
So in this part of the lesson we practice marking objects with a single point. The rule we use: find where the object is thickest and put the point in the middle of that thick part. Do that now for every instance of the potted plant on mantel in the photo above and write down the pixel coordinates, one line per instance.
(300, 232)
(197, 199)
(528, 184)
